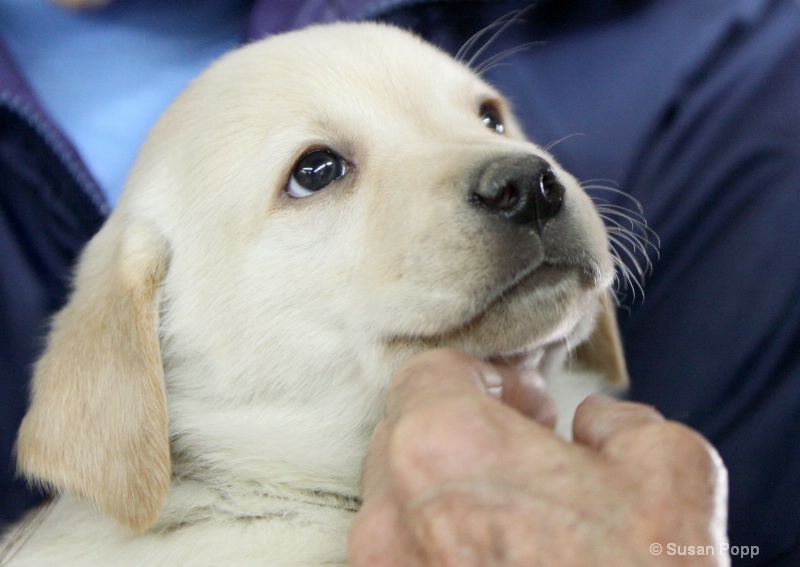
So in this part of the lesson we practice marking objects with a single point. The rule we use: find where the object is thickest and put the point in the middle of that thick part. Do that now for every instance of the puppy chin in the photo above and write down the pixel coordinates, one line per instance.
(547, 308)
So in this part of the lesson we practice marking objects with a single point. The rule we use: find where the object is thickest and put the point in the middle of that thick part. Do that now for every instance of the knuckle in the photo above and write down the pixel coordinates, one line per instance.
(675, 451)
(442, 441)
(683, 444)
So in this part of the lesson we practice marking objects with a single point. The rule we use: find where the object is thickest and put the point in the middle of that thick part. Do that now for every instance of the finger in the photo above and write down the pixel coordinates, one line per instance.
(444, 428)
(431, 376)
(465, 440)
(434, 375)
(598, 419)
(525, 390)
(375, 477)
(379, 538)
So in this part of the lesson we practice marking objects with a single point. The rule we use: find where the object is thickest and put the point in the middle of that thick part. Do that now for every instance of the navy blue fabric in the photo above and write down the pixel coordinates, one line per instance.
(692, 107)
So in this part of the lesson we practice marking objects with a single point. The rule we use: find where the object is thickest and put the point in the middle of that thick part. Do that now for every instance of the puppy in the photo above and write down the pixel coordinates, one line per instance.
(314, 208)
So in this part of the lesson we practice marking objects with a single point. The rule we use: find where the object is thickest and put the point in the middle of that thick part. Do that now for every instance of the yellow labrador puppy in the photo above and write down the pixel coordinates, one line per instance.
(312, 210)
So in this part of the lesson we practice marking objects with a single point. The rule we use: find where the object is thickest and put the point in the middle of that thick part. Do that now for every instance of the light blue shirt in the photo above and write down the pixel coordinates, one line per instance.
(105, 76)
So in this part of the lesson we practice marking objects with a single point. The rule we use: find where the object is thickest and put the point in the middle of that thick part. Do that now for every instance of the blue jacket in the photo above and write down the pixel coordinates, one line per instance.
(690, 106)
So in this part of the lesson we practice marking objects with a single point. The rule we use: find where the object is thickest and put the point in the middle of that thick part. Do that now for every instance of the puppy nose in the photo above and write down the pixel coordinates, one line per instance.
(521, 189)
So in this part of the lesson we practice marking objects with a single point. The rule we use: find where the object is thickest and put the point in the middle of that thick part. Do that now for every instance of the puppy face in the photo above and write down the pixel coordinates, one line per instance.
(402, 242)
(311, 210)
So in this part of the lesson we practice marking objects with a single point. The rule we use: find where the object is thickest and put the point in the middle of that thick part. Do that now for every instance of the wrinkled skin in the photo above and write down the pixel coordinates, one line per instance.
(456, 478)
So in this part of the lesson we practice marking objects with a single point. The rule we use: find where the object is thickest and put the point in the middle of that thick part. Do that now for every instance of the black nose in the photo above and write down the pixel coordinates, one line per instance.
(521, 189)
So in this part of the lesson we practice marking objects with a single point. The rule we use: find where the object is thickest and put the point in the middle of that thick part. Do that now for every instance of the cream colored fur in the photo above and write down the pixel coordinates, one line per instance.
(207, 395)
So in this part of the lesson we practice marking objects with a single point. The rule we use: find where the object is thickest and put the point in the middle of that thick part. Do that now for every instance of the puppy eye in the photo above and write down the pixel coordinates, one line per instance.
(491, 118)
(314, 171)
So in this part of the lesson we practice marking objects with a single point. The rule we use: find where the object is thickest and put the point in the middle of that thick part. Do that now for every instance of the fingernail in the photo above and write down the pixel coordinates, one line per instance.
(492, 382)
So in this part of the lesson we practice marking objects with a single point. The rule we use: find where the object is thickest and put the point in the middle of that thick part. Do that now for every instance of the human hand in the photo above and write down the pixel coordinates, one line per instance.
(456, 478)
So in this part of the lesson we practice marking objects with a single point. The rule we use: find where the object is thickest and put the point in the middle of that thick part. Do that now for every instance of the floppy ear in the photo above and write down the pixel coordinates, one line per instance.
(602, 352)
(97, 424)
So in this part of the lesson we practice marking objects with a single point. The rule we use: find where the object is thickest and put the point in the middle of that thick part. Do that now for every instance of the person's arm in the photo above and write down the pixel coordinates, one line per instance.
(456, 478)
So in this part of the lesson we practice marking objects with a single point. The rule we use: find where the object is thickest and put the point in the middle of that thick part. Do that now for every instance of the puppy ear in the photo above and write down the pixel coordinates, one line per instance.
(602, 352)
(97, 424)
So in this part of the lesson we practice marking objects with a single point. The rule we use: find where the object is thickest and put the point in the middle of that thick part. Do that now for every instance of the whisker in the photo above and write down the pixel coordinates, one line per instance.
(625, 236)
(593, 185)
(608, 205)
(624, 222)
(620, 247)
(551, 145)
(631, 239)
(496, 29)
(464, 49)
(494, 60)
(607, 183)
(635, 226)
(628, 284)
(509, 20)
(622, 282)
(644, 236)
(628, 281)
(635, 220)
